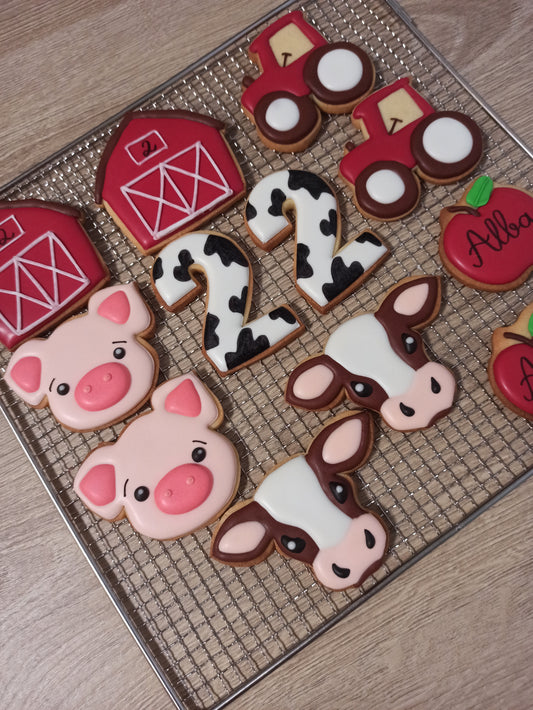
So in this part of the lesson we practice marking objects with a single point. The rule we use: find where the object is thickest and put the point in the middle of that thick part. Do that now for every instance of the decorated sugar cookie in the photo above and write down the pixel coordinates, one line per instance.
(230, 341)
(301, 74)
(487, 237)
(48, 267)
(94, 369)
(307, 509)
(324, 272)
(405, 138)
(378, 361)
(170, 472)
(511, 364)
(165, 172)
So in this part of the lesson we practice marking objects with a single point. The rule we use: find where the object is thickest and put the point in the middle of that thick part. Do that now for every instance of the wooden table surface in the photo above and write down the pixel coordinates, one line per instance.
(455, 630)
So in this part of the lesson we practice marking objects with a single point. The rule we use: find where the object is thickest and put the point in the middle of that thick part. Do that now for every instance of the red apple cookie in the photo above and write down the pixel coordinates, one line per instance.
(486, 238)
(511, 364)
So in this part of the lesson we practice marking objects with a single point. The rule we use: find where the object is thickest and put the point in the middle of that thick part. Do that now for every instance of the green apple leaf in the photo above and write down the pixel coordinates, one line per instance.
(480, 192)
(530, 325)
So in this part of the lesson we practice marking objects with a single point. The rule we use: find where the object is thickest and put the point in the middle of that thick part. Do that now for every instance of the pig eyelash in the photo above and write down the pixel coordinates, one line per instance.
(62, 389)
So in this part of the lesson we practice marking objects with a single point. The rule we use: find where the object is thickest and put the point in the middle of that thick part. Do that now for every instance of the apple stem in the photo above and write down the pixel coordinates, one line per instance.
(518, 337)
(464, 208)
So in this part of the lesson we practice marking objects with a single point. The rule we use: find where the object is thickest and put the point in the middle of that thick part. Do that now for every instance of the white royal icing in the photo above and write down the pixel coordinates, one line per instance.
(385, 186)
(340, 70)
(447, 140)
(361, 345)
(283, 114)
(292, 495)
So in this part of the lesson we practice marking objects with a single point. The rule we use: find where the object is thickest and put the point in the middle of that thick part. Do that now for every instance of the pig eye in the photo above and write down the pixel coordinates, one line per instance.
(198, 454)
(293, 544)
(339, 491)
(361, 389)
(141, 493)
(63, 389)
(409, 343)
(119, 353)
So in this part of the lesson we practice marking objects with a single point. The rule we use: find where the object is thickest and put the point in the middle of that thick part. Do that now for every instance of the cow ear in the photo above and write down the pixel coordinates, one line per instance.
(415, 301)
(241, 538)
(25, 372)
(342, 445)
(314, 384)
(124, 306)
(188, 397)
(96, 485)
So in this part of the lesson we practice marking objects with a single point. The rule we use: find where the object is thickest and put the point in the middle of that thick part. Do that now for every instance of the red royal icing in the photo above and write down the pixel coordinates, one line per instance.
(48, 266)
(494, 246)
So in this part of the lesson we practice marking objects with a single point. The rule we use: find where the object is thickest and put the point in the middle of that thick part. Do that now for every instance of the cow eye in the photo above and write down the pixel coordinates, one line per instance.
(198, 454)
(293, 544)
(361, 389)
(141, 493)
(339, 491)
(409, 343)
(119, 353)
(63, 389)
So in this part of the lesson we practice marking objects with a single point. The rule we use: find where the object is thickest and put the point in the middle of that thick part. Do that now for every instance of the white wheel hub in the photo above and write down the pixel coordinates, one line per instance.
(340, 70)
(447, 140)
(283, 114)
(385, 186)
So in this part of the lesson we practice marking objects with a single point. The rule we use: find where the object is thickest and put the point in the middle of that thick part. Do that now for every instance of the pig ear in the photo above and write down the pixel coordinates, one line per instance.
(414, 301)
(96, 485)
(122, 305)
(342, 445)
(189, 397)
(314, 384)
(25, 372)
(241, 538)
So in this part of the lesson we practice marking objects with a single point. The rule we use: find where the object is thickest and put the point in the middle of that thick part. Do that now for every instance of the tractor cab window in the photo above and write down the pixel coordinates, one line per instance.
(398, 110)
(289, 44)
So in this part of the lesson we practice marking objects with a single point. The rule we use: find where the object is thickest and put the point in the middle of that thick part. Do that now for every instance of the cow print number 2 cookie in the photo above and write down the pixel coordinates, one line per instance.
(229, 340)
(324, 272)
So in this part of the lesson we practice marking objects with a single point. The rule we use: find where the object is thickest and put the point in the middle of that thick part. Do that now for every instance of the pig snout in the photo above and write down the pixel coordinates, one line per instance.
(183, 489)
(103, 386)
(355, 556)
(429, 396)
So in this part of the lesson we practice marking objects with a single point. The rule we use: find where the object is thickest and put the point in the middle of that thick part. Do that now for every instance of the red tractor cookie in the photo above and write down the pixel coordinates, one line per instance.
(403, 133)
(300, 73)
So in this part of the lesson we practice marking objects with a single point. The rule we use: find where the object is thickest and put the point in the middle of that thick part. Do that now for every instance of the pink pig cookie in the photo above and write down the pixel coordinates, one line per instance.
(95, 368)
(169, 472)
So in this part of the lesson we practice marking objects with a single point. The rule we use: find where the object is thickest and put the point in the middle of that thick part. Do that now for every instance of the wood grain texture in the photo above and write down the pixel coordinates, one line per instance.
(455, 630)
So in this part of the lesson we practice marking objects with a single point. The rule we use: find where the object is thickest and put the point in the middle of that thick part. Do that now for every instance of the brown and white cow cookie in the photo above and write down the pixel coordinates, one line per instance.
(307, 509)
(378, 361)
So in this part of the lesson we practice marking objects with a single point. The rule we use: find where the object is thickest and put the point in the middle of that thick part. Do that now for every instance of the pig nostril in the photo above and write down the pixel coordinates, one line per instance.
(435, 387)
(406, 411)
(190, 481)
(87, 389)
(107, 377)
(341, 572)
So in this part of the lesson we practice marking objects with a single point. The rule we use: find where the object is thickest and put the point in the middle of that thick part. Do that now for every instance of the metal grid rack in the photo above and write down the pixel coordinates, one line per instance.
(208, 630)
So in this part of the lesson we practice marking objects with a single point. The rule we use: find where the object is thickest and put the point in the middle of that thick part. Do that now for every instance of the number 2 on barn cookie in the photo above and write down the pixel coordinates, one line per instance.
(324, 273)
(229, 340)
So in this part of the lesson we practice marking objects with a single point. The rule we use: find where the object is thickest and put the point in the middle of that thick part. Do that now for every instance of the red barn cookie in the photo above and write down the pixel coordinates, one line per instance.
(48, 267)
(165, 172)
(511, 364)
(403, 133)
(300, 74)
(486, 239)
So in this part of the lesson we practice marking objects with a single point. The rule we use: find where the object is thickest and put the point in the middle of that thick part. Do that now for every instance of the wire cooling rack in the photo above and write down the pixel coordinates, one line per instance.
(209, 631)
